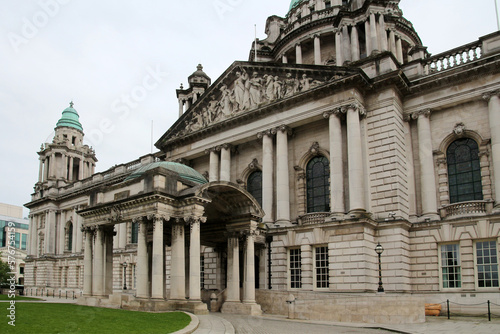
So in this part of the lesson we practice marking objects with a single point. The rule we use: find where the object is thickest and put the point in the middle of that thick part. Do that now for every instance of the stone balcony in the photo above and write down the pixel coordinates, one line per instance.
(465, 209)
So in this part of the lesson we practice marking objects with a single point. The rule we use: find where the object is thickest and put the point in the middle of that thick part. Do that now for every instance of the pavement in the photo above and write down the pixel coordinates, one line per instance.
(215, 323)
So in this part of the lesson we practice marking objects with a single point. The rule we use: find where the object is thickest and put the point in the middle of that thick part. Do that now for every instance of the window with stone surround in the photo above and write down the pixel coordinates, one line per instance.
(318, 184)
(134, 279)
(295, 263)
(135, 233)
(321, 267)
(254, 185)
(487, 264)
(450, 266)
(464, 171)
(69, 237)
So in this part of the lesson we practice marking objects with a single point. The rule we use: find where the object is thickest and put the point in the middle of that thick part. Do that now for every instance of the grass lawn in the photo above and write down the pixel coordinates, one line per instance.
(70, 318)
(6, 297)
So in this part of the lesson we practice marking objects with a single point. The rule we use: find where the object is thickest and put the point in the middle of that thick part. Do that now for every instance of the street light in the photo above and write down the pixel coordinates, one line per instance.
(379, 249)
(124, 275)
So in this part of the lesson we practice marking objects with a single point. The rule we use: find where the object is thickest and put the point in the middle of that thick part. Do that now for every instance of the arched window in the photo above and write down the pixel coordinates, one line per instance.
(464, 171)
(69, 237)
(318, 185)
(135, 233)
(254, 185)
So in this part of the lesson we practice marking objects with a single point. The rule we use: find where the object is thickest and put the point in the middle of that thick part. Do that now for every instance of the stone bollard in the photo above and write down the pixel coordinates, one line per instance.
(291, 306)
(213, 302)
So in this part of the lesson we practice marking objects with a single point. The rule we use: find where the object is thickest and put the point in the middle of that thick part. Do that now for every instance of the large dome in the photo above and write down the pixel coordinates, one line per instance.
(183, 171)
(294, 3)
(70, 118)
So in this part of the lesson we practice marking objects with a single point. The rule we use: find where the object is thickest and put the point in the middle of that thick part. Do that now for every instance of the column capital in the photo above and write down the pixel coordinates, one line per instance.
(215, 149)
(158, 217)
(336, 112)
(488, 95)
(298, 45)
(416, 114)
(282, 128)
(190, 220)
(356, 106)
(227, 146)
(268, 133)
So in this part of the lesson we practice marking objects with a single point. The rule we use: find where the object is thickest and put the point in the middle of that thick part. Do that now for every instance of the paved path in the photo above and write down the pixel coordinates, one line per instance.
(216, 323)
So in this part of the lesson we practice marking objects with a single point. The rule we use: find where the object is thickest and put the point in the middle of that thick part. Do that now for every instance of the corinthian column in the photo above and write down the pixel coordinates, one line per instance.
(157, 279)
(382, 33)
(267, 175)
(494, 116)
(355, 157)
(87, 263)
(194, 260)
(233, 269)
(178, 269)
(142, 290)
(427, 176)
(337, 202)
(97, 270)
(249, 291)
(317, 50)
(225, 163)
(354, 44)
(298, 53)
(282, 176)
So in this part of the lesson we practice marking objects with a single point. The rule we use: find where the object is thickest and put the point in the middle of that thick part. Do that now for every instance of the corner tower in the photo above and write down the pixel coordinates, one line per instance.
(66, 159)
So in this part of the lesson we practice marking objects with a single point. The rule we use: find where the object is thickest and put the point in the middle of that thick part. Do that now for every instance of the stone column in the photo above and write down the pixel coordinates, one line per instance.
(225, 163)
(317, 50)
(368, 38)
(373, 33)
(298, 53)
(194, 261)
(399, 50)
(40, 171)
(282, 176)
(337, 201)
(355, 157)
(339, 48)
(108, 260)
(98, 264)
(494, 117)
(33, 235)
(346, 44)
(177, 269)
(52, 165)
(427, 176)
(79, 236)
(181, 107)
(214, 166)
(80, 169)
(142, 267)
(354, 43)
(50, 232)
(157, 279)
(87, 263)
(70, 170)
(233, 269)
(249, 291)
(267, 176)
(392, 42)
(284, 59)
(382, 33)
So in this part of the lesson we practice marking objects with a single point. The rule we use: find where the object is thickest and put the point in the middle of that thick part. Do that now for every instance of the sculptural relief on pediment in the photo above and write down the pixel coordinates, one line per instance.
(246, 89)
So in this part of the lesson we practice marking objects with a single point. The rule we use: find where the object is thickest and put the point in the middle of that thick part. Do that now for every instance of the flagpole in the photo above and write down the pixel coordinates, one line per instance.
(255, 43)
(496, 11)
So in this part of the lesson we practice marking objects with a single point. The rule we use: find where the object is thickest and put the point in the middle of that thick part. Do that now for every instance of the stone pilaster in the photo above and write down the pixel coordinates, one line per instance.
(298, 53)
(493, 99)
(282, 175)
(158, 270)
(87, 262)
(225, 162)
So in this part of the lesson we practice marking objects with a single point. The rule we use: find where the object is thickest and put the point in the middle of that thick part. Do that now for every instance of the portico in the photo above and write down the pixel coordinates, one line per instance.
(219, 214)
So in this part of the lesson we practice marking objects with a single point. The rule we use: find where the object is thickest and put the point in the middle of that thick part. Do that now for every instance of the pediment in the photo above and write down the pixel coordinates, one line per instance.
(246, 88)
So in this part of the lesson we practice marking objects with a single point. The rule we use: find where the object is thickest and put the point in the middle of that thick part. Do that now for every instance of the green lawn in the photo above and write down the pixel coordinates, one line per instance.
(70, 318)
(6, 297)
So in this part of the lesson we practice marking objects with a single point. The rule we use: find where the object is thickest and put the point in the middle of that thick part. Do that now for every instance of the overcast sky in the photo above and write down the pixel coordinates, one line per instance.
(97, 53)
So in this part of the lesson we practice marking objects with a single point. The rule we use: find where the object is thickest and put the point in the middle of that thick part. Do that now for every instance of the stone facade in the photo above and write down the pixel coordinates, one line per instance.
(340, 133)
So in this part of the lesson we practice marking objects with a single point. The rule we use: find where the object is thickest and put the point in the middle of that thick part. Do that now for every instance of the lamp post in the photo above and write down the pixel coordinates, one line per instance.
(379, 249)
(124, 275)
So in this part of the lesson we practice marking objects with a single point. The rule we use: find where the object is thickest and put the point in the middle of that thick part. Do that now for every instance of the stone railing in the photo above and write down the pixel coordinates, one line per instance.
(466, 209)
(453, 58)
(313, 218)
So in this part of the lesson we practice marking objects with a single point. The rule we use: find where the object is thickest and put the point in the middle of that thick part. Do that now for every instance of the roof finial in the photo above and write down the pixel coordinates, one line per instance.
(71, 104)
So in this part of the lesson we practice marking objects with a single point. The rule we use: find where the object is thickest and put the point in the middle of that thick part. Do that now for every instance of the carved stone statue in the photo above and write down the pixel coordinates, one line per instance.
(255, 84)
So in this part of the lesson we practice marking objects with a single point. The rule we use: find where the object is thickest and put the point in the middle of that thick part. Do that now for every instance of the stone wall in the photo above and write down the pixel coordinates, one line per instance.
(362, 308)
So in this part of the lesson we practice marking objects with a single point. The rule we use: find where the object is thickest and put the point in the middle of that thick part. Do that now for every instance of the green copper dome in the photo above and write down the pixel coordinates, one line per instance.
(70, 118)
(294, 3)
(183, 171)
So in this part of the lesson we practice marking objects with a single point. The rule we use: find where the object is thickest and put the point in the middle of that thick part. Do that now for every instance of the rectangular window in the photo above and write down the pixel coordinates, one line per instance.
(202, 271)
(24, 237)
(321, 264)
(295, 269)
(450, 266)
(134, 279)
(487, 264)
(17, 239)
